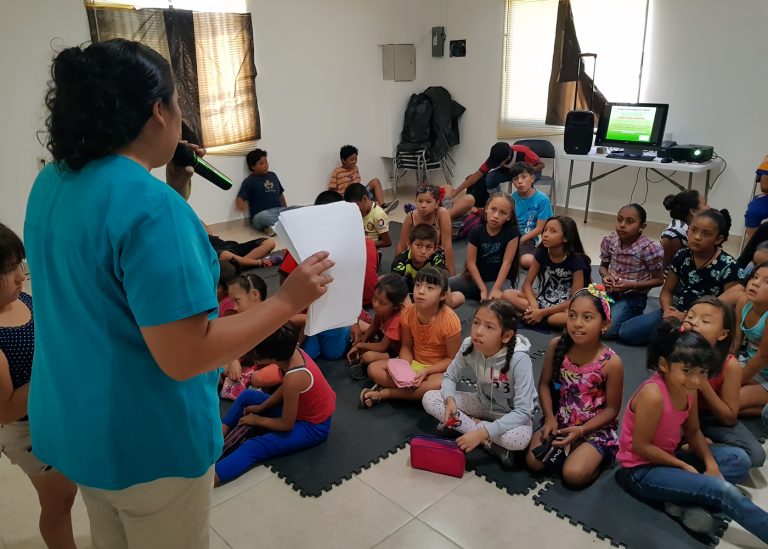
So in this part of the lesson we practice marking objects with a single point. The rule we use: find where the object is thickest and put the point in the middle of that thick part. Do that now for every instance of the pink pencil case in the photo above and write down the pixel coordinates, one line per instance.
(437, 455)
(401, 372)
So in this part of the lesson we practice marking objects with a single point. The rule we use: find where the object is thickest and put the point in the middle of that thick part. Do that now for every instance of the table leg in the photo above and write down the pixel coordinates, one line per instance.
(568, 192)
(690, 180)
(706, 187)
(589, 190)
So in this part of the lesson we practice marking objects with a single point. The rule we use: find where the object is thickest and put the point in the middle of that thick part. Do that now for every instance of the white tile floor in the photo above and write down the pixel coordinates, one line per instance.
(389, 505)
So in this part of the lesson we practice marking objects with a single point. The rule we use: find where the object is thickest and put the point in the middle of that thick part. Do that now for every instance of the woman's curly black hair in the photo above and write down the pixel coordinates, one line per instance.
(100, 97)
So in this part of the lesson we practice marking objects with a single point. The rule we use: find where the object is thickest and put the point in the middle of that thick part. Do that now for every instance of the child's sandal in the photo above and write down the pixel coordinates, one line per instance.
(373, 400)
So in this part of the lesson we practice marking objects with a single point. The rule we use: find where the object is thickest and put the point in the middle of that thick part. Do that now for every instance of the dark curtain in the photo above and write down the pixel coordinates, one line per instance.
(567, 67)
(171, 32)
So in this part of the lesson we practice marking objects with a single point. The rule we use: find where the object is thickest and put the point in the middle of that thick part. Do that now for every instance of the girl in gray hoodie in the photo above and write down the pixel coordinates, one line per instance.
(500, 412)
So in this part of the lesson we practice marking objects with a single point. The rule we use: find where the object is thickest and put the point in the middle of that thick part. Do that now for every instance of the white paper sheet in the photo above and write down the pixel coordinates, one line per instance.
(338, 229)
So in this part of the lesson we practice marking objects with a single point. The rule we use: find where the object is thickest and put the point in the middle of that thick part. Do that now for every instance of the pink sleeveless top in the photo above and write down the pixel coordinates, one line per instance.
(668, 432)
(318, 401)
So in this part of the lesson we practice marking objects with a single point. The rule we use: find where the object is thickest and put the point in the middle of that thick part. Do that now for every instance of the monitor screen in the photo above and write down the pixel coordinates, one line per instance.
(635, 125)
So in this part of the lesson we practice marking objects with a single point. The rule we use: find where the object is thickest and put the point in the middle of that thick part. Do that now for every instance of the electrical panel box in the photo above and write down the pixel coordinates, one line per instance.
(438, 41)
(398, 62)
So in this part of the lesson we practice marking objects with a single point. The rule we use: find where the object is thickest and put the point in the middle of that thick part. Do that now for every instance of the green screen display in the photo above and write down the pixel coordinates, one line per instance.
(632, 124)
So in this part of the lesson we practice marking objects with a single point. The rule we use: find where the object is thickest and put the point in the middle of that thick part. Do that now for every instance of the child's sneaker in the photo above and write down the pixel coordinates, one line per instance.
(269, 231)
(409, 207)
(506, 457)
(389, 206)
(273, 259)
(695, 519)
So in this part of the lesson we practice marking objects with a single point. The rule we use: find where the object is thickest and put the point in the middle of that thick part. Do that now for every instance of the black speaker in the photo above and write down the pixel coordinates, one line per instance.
(579, 130)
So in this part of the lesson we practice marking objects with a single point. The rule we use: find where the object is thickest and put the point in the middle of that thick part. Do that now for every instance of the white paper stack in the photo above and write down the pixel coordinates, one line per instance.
(338, 229)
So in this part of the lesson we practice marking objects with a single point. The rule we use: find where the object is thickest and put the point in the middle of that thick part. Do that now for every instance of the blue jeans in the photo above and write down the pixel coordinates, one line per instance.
(260, 448)
(737, 436)
(625, 308)
(641, 329)
(330, 344)
(670, 484)
(267, 218)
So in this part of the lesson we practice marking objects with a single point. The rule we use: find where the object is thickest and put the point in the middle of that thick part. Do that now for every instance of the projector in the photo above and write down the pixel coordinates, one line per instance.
(691, 153)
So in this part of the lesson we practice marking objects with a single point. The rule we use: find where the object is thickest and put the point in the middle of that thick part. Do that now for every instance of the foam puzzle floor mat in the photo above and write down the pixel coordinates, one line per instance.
(631, 522)
(360, 438)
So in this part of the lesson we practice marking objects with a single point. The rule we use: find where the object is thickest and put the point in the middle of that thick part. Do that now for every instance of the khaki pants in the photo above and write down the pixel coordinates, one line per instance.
(167, 513)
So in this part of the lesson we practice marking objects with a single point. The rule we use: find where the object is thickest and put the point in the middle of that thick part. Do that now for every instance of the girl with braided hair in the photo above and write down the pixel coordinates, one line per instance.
(580, 389)
(499, 414)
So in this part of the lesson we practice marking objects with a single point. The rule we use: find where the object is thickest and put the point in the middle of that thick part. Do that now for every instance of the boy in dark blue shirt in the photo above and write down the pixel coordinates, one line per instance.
(262, 192)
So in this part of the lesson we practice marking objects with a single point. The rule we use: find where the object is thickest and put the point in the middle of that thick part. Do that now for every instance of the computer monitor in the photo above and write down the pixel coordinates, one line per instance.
(634, 127)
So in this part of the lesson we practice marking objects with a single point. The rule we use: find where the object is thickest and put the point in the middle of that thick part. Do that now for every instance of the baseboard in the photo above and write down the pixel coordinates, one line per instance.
(231, 224)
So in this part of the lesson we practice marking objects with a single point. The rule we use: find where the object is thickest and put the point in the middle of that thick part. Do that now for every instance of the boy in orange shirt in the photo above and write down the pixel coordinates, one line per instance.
(348, 173)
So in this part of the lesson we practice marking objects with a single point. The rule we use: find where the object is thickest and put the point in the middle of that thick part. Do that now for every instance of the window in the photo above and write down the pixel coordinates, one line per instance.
(542, 42)
(212, 58)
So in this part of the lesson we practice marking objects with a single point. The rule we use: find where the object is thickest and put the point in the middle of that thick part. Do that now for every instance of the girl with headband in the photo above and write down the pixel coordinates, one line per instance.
(580, 390)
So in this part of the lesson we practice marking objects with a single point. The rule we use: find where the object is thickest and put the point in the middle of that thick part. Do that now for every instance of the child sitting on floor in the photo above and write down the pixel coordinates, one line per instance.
(429, 211)
(682, 207)
(295, 417)
(228, 271)
(375, 220)
(430, 335)
(758, 256)
(262, 193)
(663, 408)
(492, 252)
(719, 399)
(532, 209)
(423, 252)
(247, 291)
(752, 313)
(703, 268)
(630, 265)
(379, 340)
(562, 269)
(498, 415)
(580, 390)
(348, 173)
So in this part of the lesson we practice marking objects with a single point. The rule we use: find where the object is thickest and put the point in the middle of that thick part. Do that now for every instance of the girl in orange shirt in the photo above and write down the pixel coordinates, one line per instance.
(430, 334)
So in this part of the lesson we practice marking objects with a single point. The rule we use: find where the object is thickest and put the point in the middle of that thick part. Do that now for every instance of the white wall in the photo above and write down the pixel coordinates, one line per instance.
(707, 76)
(28, 32)
(319, 87)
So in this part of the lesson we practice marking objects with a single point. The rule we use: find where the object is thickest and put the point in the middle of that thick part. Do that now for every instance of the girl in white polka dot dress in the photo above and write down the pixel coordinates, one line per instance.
(17, 344)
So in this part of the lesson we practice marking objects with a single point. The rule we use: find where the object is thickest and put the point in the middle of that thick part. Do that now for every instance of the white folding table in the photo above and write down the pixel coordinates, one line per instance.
(655, 166)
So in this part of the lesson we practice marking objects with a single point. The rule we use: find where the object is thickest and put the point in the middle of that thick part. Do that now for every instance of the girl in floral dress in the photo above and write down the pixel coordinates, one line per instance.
(580, 390)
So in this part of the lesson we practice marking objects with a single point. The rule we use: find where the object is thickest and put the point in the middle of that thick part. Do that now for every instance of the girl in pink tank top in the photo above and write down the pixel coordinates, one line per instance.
(689, 483)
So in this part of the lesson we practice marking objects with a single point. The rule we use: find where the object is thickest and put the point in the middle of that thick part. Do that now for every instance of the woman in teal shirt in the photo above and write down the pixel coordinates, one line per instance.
(123, 400)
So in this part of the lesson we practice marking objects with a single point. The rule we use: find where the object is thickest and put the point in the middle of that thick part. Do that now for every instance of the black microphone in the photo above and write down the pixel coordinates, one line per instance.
(185, 156)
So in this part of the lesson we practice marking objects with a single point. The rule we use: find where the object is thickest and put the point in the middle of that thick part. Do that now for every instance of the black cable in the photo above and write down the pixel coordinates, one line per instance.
(649, 180)
(637, 179)
(725, 165)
